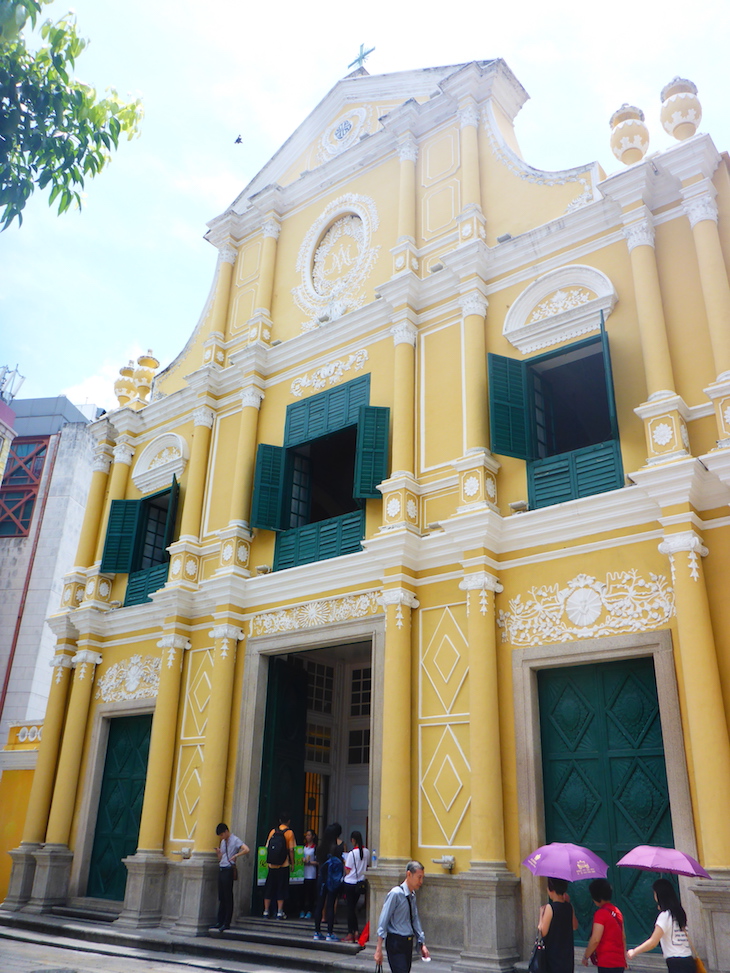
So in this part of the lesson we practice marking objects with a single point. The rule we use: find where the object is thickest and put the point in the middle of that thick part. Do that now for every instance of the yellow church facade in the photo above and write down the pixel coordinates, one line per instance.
(425, 530)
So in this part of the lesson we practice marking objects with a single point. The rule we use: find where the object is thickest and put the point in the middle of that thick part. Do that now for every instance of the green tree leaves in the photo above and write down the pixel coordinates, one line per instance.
(54, 130)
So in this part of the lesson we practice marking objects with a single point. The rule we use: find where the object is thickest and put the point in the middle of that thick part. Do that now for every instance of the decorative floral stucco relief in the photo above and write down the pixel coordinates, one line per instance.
(133, 678)
(315, 613)
(329, 374)
(587, 608)
(561, 300)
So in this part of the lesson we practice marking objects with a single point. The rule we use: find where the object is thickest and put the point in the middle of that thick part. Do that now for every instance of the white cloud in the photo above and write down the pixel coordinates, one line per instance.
(98, 389)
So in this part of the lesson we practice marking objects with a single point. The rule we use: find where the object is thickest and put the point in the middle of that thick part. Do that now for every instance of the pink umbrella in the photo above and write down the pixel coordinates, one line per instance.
(561, 859)
(651, 858)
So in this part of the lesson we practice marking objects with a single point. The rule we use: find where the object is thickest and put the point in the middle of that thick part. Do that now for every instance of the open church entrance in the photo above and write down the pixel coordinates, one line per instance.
(316, 747)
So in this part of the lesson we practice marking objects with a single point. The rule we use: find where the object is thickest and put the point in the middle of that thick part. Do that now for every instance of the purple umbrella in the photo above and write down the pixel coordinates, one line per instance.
(561, 859)
(650, 858)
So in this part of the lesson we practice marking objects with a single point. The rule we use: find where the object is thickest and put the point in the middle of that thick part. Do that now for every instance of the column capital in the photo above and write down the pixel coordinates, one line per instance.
(123, 452)
(469, 116)
(271, 228)
(408, 149)
(686, 540)
(174, 642)
(226, 632)
(252, 396)
(399, 596)
(480, 581)
(473, 303)
(702, 207)
(404, 333)
(60, 661)
(102, 459)
(640, 232)
(203, 417)
(227, 254)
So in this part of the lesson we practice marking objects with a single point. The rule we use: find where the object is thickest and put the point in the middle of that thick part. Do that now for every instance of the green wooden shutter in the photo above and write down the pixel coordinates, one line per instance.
(508, 412)
(550, 481)
(371, 451)
(598, 469)
(610, 397)
(326, 412)
(171, 514)
(121, 536)
(352, 531)
(268, 488)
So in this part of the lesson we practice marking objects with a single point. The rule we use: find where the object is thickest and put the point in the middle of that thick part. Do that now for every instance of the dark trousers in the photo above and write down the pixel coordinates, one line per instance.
(681, 964)
(225, 896)
(309, 899)
(400, 952)
(352, 894)
(325, 901)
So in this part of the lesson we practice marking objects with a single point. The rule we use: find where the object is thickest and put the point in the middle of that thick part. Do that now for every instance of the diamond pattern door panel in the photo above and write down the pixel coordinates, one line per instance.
(120, 806)
(604, 776)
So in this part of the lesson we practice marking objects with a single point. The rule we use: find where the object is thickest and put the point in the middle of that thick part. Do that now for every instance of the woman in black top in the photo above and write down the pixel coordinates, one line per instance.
(330, 845)
(557, 924)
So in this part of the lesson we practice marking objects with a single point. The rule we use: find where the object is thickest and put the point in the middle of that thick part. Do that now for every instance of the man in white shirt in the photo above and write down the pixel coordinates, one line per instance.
(228, 851)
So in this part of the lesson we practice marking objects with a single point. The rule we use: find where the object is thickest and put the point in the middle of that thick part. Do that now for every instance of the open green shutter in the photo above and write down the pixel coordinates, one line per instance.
(121, 536)
(326, 412)
(171, 513)
(508, 413)
(268, 488)
(371, 451)
(609, 380)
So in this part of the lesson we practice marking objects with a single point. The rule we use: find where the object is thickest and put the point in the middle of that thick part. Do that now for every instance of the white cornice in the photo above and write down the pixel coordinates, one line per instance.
(682, 481)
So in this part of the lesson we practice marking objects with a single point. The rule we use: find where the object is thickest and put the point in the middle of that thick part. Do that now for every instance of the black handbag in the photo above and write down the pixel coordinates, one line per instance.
(537, 960)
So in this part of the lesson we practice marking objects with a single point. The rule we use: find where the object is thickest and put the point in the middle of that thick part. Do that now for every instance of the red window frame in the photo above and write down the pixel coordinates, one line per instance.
(21, 482)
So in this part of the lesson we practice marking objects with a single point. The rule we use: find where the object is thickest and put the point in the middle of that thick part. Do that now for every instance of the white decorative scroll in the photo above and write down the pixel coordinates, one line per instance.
(482, 582)
(203, 417)
(404, 333)
(399, 597)
(135, 678)
(473, 303)
(639, 234)
(701, 208)
(226, 634)
(684, 542)
(173, 643)
(587, 608)
(227, 254)
(166, 456)
(335, 259)
(329, 374)
(315, 613)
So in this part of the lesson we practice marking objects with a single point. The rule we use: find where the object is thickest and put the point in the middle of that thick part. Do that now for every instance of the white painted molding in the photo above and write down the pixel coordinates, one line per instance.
(399, 596)
(226, 632)
(480, 581)
(686, 541)
(166, 456)
(528, 333)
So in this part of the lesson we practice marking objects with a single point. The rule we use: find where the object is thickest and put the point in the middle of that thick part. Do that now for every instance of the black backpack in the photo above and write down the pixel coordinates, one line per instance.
(335, 872)
(277, 850)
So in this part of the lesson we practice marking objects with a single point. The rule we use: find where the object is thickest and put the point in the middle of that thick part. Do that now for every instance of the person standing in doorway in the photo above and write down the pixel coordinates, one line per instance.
(329, 855)
(356, 863)
(309, 896)
(279, 859)
(399, 926)
(229, 849)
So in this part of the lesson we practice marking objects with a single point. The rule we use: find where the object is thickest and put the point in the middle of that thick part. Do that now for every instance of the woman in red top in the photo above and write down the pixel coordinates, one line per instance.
(608, 938)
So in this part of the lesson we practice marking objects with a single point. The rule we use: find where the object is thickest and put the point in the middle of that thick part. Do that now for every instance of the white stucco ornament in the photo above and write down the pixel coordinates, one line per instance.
(161, 459)
(662, 434)
(471, 486)
(312, 614)
(411, 509)
(135, 678)
(588, 608)
(335, 259)
(393, 507)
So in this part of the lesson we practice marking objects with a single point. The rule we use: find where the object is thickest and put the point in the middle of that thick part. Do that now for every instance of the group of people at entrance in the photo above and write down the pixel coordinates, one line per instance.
(606, 946)
(330, 871)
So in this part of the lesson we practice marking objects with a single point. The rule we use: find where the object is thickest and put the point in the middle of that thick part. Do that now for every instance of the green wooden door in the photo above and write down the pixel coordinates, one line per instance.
(604, 777)
(120, 805)
(282, 762)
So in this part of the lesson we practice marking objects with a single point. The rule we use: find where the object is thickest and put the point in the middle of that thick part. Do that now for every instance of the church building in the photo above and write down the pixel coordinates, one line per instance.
(425, 531)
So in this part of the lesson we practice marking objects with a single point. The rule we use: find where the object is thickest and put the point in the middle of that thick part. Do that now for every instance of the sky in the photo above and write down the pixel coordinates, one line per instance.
(82, 293)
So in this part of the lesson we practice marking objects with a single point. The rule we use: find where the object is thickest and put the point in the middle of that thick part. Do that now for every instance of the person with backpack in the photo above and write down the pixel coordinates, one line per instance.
(331, 874)
(279, 859)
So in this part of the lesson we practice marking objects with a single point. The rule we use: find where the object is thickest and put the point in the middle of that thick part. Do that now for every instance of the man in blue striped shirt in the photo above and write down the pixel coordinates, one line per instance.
(399, 924)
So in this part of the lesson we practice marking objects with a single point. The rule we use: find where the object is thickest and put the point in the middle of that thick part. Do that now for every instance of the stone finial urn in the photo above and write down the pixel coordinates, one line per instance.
(681, 111)
(629, 135)
(144, 373)
(124, 385)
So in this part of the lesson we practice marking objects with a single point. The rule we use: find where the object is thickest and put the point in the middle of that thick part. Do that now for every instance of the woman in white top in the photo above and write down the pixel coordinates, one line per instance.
(356, 864)
(670, 931)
